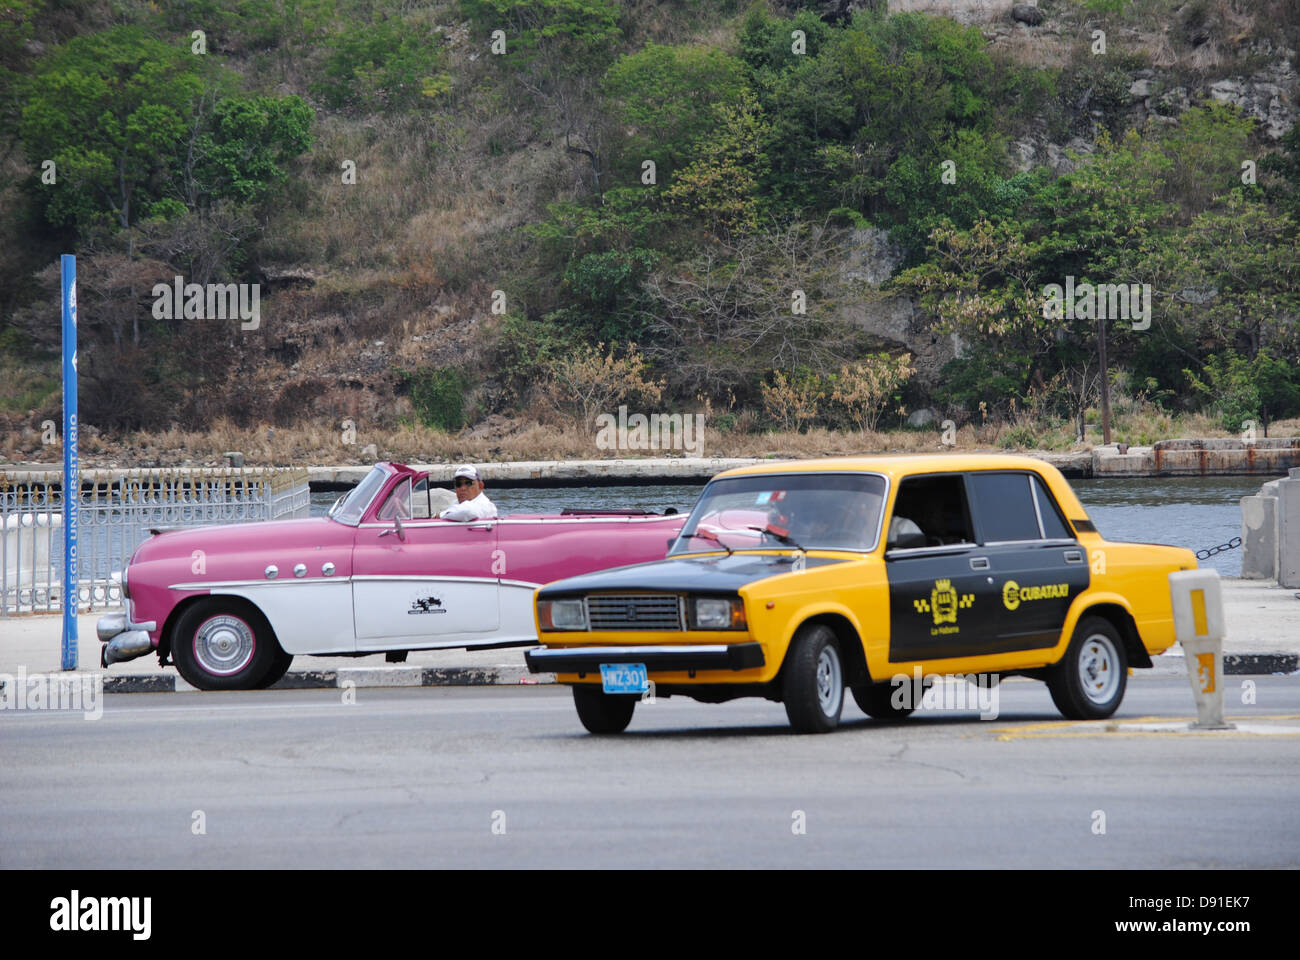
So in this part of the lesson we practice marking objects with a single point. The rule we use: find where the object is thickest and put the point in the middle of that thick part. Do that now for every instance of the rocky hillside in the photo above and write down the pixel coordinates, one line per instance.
(789, 214)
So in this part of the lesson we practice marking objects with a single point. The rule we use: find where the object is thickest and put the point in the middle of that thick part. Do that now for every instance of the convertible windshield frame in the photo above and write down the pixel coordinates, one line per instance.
(686, 544)
(357, 501)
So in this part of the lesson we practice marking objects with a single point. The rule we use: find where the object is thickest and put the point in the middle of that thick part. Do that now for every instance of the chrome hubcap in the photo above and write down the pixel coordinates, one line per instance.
(224, 645)
(830, 682)
(1099, 669)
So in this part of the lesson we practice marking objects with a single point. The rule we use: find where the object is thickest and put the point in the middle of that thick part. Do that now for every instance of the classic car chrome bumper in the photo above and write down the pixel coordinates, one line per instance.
(122, 639)
(712, 656)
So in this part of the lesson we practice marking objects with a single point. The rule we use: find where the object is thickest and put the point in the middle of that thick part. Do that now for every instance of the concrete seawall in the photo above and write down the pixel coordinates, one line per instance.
(1215, 457)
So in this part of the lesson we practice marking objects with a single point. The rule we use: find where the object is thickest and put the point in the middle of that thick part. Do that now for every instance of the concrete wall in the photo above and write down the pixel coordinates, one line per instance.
(1288, 530)
(27, 541)
(1214, 457)
(1270, 532)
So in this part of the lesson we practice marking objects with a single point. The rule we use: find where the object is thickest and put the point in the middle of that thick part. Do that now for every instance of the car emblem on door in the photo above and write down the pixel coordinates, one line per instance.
(425, 605)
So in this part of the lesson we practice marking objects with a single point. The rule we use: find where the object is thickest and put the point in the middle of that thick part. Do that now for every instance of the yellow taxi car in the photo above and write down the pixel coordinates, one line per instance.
(795, 580)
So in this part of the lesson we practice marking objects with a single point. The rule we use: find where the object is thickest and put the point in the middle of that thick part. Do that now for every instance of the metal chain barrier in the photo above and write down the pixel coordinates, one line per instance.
(1205, 554)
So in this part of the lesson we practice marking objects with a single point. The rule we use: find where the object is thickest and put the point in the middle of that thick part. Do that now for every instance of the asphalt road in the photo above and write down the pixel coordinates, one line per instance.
(506, 777)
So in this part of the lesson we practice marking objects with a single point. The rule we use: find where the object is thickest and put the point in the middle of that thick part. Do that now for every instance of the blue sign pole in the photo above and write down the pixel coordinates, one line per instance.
(71, 470)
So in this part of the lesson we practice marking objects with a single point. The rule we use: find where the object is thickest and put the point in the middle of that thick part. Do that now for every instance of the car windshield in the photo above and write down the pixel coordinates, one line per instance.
(834, 511)
(352, 507)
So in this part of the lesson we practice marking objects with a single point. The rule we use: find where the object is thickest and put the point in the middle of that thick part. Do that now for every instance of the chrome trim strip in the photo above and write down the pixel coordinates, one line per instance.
(211, 584)
(944, 548)
(1033, 496)
(1055, 542)
(453, 524)
(432, 578)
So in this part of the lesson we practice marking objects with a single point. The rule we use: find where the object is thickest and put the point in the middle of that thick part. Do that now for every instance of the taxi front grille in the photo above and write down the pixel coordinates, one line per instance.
(634, 612)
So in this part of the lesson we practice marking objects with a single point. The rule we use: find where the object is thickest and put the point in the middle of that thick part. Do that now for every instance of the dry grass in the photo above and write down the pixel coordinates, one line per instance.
(323, 443)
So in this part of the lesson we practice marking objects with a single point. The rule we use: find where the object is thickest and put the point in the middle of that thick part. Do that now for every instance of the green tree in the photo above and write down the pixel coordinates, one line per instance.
(1231, 278)
(138, 130)
(666, 96)
(384, 65)
(719, 187)
(242, 153)
(571, 35)
(112, 111)
(1261, 389)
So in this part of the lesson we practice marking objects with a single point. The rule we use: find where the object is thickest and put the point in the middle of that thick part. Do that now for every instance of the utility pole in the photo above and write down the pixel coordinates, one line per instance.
(1105, 380)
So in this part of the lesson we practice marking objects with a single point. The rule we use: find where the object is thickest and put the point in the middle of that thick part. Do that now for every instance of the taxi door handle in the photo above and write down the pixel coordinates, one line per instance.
(1073, 556)
(979, 563)
(481, 526)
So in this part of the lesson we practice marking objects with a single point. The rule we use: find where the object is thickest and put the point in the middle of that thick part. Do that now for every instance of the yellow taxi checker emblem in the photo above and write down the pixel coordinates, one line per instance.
(1013, 594)
(944, 602)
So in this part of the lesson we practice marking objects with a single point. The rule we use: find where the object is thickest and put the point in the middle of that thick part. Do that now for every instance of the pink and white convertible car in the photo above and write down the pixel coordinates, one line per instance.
(231, 606)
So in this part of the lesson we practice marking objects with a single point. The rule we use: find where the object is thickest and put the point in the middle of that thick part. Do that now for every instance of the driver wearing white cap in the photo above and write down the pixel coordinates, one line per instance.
(471, 502)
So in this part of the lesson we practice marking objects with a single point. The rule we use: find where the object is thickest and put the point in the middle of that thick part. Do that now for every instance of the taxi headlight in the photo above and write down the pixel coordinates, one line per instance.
(718, 613)
(561, 615)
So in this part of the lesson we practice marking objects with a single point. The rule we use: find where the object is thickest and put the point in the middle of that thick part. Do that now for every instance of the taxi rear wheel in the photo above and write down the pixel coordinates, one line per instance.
(813, 686)
(602, 712)
(1089, 682)
(878, 700)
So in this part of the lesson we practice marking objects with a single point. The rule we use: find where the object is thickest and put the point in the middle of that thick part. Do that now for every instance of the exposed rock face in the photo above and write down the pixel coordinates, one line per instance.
(963, 11)
(1267, 96)
(1027, 13)
(869, 260)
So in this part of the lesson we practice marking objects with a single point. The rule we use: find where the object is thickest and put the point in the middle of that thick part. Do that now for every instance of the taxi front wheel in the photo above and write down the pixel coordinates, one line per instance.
(813, 688)
(1089, 682)
(602, 712)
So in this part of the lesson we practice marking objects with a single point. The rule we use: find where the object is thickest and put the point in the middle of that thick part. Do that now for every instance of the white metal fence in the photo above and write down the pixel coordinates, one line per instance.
(117, 510)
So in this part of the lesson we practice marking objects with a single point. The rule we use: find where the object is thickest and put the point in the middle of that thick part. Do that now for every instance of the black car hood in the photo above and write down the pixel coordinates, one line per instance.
(707, 574)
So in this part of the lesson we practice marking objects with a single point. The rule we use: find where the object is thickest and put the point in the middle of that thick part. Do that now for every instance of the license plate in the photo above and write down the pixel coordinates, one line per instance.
(624, 677)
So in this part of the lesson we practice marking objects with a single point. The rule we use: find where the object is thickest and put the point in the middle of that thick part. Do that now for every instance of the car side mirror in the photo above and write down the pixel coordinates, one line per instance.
(397, 529)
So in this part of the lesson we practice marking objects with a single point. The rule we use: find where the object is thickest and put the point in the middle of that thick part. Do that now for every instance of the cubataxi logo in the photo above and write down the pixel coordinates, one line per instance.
(1013, 595)
(76, 913)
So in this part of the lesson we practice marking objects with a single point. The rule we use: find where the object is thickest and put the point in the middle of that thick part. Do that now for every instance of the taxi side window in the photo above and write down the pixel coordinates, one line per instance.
(1005, 505)
(937, 505)
(1053, 526)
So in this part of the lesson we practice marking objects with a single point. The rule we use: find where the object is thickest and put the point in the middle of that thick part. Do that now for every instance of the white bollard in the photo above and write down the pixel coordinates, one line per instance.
(1198, 624)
